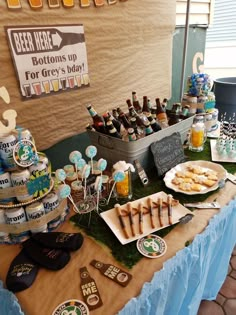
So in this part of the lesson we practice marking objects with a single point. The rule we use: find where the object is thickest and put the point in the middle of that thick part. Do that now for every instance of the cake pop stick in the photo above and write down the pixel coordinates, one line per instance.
(98, 187)
(91, 152)
(122, 222)
(101, 165)
(74, 157)
(85, 174)
(64, 192)
(118, 176)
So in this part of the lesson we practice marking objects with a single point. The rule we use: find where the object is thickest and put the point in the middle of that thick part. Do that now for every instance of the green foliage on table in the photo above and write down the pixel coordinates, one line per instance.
(128, 254)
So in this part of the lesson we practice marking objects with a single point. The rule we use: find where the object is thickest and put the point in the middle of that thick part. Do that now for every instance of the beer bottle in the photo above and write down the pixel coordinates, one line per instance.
(149, 105)
(112, 131)
(89, 127)
(185, 112)
(138, 131)
(155, 126)
(112, 272)
(123, 118)
(148, 128)
(116, 122)
(128, 101)
(115, 114)
(164, 104)
(161, 114)
(174, 114)
(136, 103)
(131, 135)
(98, 121)
(89, 290)
(146, 108)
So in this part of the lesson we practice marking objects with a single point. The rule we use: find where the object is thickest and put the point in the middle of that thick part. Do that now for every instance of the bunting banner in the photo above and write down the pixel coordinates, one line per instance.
(52, 4)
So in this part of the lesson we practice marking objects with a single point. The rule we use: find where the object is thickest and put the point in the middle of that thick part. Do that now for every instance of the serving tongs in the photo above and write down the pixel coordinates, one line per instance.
(231, 177)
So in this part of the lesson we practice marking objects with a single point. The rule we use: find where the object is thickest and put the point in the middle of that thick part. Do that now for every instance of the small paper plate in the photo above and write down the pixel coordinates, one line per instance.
(151, 246)
(71, 307)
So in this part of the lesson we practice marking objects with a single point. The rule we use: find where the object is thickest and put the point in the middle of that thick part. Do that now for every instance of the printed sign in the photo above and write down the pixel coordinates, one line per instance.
(48, 59)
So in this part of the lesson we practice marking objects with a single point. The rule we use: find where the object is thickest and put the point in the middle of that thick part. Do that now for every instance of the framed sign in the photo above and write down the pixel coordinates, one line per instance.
(48, 59)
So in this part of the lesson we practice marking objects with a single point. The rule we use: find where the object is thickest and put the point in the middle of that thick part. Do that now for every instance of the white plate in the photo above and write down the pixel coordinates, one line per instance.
(215, 156)
(221, 174)
(112, 220)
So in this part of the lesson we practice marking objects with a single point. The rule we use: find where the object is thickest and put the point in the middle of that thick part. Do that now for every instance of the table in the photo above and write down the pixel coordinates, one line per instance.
(172, 284)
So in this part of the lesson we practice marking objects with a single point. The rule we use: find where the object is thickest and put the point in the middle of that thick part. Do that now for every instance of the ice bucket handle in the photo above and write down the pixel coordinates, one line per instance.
(106, 142)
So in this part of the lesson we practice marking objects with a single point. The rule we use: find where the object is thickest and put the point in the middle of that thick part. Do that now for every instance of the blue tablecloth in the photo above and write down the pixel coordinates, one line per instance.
(8, 302)
(195, 273)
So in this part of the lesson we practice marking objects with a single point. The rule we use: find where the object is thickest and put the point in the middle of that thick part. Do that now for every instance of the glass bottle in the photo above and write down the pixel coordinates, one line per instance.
(123, 118)
(146, 108)
(174, 116)
(137, 129)
(164, 104)
(161, 114)
(149, 105)
(112, 131)
(116, 122)
(131, 135)
(155, 126)
(148, 128)
(133, 113)
(115, 114)
(136, 103)
(98, 121)
(185, 112)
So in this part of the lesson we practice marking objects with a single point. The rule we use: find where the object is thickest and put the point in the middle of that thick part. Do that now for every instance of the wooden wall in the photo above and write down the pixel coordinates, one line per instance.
(129, 47)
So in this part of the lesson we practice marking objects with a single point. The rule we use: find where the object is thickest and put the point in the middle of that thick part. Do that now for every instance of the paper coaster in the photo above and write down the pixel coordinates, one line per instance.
(151, 246)
(71, 307)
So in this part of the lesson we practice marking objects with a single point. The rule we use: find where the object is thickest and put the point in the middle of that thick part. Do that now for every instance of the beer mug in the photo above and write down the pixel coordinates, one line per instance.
(123, 189)
(197, 136)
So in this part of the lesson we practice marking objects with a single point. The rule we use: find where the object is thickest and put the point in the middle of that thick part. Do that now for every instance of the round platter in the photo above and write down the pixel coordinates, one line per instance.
(205, 165)
(151, 246)
(21, 204)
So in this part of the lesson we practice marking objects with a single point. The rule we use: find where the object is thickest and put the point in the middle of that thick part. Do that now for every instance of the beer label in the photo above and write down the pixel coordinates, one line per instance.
(112, 272)
(75, 307)
(24, 153)
(89, 290)
(38, 186)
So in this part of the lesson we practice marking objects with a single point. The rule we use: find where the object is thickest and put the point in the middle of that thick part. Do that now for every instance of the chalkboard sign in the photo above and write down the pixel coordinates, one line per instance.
(167, 153)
